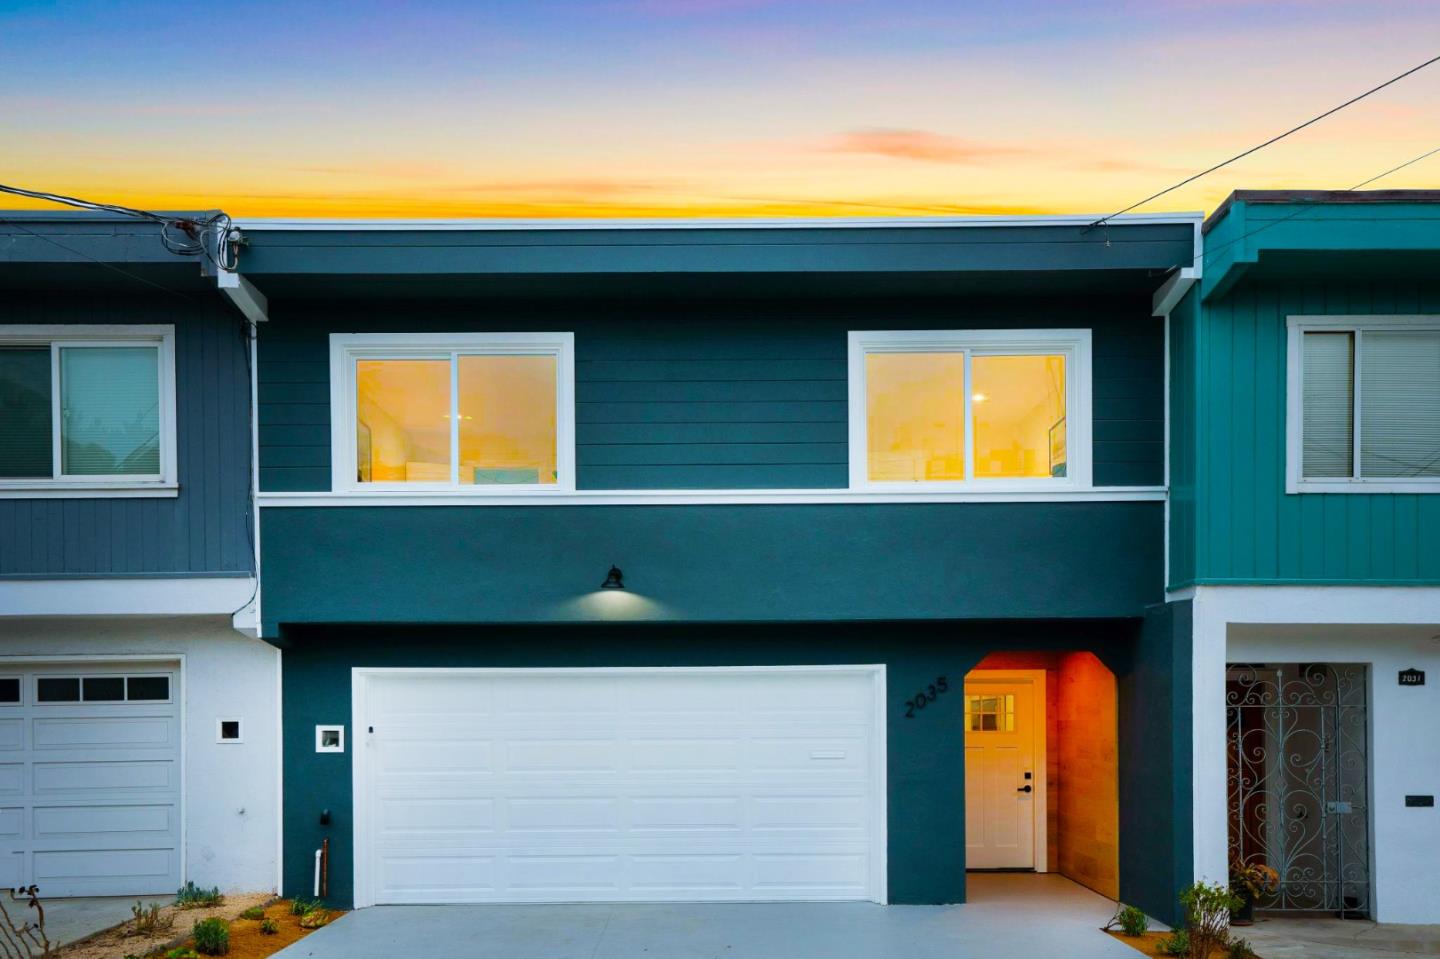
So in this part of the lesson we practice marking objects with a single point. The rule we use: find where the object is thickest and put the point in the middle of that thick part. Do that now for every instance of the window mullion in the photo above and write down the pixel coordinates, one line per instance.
(967, 424)
(455, 419)
(1355, 471)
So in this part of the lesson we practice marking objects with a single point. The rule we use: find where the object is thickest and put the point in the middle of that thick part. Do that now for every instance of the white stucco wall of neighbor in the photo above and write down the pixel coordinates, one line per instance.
(230, 817)
(1388, 630)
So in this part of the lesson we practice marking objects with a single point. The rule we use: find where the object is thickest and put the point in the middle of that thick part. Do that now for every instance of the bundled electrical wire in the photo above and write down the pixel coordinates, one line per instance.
(211, 235)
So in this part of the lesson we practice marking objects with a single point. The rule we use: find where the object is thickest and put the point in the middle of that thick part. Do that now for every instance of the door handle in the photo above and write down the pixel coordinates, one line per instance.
(1023, 789)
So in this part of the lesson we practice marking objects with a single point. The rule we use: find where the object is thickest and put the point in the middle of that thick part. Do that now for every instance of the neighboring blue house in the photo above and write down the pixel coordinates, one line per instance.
(138, 713)
(1305, 517)
(623, 561)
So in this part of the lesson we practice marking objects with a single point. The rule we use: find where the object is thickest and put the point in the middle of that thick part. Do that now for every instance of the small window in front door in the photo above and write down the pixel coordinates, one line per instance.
(990, 713)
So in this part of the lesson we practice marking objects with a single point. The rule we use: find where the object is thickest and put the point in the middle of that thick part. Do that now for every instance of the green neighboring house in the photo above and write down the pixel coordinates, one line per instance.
(1304, 537)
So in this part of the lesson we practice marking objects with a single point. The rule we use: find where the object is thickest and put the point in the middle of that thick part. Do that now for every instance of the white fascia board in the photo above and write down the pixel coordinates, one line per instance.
(118, 596)
(1372, 605)
(727, 223)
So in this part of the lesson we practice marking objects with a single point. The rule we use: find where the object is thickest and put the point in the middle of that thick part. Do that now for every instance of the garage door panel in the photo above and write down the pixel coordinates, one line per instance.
(116, 778)
(12, 779)
(90, 868)
(619, 786)
(566, 757)
(12, 735)
(426, 756)
(12, 870)
(12, 822)
(86, 823)
(421, 816)
(114, 732)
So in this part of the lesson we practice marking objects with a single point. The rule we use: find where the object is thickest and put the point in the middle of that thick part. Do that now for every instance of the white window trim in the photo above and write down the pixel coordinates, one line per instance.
(220, 731)
(1074, 344)
(1299, 325)
(320, 732)
(347, 348)
(164, 483)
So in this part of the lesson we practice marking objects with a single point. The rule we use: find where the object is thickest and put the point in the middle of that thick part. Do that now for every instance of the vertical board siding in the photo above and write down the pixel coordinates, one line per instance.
(1250, 530)
(203, 530)
(704, 395)
(1184, 331)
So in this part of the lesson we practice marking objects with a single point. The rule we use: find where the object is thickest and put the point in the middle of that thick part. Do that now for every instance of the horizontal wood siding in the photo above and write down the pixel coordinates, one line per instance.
(685, 395)
(201, 531)
(1250, 530)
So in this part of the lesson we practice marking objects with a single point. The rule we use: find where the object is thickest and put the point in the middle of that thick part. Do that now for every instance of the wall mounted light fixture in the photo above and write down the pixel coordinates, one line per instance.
(614, 579)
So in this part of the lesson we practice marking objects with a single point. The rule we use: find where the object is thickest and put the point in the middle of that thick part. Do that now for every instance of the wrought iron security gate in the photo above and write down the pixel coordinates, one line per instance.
(1297, 737)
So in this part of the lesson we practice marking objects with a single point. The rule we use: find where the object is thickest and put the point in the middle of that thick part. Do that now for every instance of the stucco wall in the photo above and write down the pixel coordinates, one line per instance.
(231, 790)
(1088, 726)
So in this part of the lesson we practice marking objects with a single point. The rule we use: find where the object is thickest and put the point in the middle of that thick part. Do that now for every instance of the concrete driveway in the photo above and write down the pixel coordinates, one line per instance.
(1012, 915)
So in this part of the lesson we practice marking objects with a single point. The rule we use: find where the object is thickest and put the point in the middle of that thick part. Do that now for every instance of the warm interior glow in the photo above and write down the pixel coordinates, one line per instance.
(402, 421)
(915, 416)
(507, 419)
(1019, 414)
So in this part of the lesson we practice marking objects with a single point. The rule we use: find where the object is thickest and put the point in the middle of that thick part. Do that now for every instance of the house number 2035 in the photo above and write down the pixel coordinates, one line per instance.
(926, 696)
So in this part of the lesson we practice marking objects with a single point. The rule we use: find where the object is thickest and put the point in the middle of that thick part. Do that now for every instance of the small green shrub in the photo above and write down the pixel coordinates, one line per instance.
(315, 918)
(268, 927)
(1175, 944)
(1240, 949)
(1207, 916)
(182, 952)
(191, 896)
(212, 936)
(254, 912)
(149, 920)
(299, 906)
(1133, 922)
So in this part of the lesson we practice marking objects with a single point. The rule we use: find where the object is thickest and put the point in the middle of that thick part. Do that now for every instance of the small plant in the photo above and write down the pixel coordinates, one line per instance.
(149, 920)
(1252, 880)
(299, 906)
(212, 936)
(1240, 949)
(1175, 944)
(1133, 922)
(315, 918)
(254, 912)
(182, 952)
(1207, 916)
(269, 927)
(191, 896)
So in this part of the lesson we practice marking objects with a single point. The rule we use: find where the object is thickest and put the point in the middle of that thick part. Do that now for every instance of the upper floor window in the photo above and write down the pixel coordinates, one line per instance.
(970, 409)
(1364, 404)
(86, 409)
(473, 411)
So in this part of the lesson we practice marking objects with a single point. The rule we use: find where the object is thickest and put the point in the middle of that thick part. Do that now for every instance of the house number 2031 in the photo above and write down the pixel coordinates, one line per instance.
(926, 696)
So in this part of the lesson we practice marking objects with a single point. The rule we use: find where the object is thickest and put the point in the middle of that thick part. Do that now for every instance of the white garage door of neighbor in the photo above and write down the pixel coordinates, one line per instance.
(613, 785)
(90, 779)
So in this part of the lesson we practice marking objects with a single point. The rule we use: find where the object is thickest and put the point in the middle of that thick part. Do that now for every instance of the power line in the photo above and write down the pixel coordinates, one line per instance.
(1275, 139)
(193, 231)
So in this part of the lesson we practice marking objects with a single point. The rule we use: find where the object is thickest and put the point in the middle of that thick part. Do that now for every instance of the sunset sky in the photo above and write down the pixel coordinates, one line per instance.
(704, 107)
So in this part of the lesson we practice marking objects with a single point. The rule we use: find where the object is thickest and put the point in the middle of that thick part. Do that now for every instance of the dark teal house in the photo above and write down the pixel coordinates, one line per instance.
(1304, 519)
(722, 561)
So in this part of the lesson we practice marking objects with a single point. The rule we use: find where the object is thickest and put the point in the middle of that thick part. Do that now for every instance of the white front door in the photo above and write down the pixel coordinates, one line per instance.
(1000, 774)
(606, 785)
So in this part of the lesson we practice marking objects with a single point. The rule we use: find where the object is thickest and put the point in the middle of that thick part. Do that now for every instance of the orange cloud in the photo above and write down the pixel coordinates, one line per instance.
(920, 145)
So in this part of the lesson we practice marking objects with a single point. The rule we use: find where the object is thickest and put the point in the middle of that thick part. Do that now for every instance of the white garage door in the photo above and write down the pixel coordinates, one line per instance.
(90, 779)
(619, 785)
